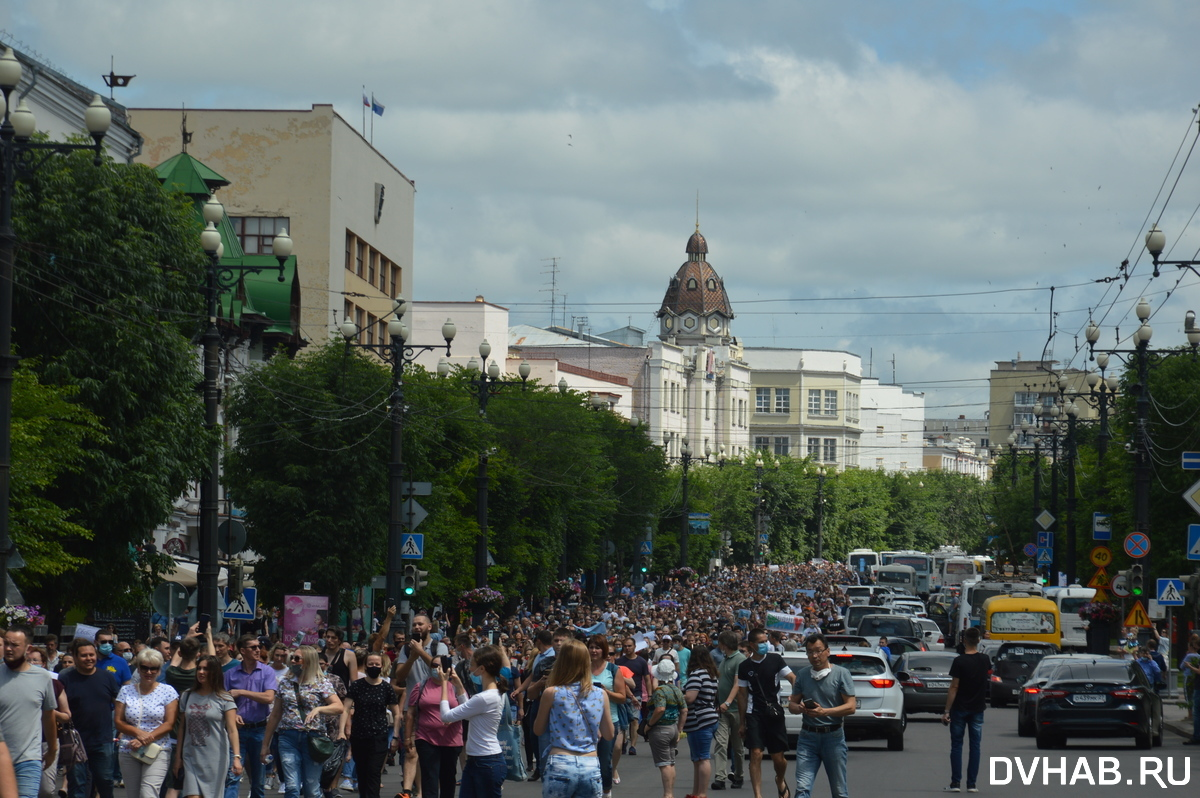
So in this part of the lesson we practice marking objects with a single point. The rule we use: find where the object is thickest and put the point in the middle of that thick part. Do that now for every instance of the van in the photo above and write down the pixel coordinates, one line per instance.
(1069, 600)
(1025, 618)
(858, 612)
(883, 625)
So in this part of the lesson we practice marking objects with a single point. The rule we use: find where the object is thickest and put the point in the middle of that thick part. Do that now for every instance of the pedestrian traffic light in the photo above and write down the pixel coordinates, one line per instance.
(1136, 582)
(408, 582)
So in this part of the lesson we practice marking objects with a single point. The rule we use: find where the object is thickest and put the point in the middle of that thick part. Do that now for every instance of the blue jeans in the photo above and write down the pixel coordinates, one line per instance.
(300, 772)
(94, 773)
(814, 750)
(972, 723)
(483, 776)
(250, 742)
(29, 777)
(571, 777)
(604, 751)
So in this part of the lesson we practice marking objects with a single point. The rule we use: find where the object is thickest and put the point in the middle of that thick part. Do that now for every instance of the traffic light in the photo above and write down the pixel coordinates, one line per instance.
(1136, 581)
(422, 577)
(1191, 587)
(236, 579)
(408, 582)
(643, 565)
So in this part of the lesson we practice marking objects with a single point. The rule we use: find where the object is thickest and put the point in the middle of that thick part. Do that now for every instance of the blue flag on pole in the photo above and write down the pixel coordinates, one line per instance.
(376, 106)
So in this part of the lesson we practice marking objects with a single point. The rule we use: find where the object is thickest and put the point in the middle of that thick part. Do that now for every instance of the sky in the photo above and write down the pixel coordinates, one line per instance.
(933, 185)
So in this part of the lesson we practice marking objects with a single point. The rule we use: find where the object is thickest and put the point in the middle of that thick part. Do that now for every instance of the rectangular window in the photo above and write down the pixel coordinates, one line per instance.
(395, 292)
(879, 431)
(686, 396)
(814, 448)
(831, 403)
(852, 454)
(783, 400)
(762, 443)
(360, 317)
(372, 261)
(781, 446)
(904, 437)
(257, 234)
(707, 410)
(349, 250)
(1025, 398)
(984, 443)
(762, 400)
(371, 322)
(666, 397)
(814, 402)
(1021, 418)
(879, 462)
(830, 453)
(359, 252)
(384, 338)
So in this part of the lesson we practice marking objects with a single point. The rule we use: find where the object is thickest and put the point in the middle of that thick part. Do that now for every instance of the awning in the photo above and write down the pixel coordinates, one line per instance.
(185, 574)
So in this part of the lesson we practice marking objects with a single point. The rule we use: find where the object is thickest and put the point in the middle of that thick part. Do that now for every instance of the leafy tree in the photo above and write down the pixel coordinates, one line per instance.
(107, 297)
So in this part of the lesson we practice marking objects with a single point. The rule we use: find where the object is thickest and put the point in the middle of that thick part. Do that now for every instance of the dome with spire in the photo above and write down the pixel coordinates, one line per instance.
(695, 303)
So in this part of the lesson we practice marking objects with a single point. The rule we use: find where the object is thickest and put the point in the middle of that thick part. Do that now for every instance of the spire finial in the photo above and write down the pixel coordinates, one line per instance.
(697, 210)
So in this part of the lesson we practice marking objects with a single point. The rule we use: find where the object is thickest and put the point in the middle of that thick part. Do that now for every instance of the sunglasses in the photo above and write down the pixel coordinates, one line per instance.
(148, 669)
(297, 659)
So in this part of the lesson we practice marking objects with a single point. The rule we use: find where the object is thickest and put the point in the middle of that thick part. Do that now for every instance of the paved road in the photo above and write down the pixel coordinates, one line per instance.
(923, 766)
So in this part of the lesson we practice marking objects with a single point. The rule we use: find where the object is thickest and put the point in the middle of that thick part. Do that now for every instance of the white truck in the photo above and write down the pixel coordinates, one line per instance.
(1069, 600)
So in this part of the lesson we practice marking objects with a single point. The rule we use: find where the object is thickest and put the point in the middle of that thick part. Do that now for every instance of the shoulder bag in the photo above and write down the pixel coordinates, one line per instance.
(320, 747)
(769, 709)
(509, 737)
(70, 746)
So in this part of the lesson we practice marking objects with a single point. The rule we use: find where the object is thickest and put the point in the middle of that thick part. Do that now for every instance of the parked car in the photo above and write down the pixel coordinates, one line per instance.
(876, 626)
(854, 615)
(1012, 666)
(853, 641)
(877, 692)
(904, 645)
(932, 634)
(1027, 698)
(925, 678)
(907, 605)
(1101, 698)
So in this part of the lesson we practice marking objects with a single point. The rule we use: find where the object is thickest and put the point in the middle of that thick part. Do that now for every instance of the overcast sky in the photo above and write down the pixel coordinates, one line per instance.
(904, 180)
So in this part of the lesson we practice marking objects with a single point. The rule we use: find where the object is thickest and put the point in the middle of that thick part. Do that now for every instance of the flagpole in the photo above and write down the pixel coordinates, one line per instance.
(372, 119)
(364, 122)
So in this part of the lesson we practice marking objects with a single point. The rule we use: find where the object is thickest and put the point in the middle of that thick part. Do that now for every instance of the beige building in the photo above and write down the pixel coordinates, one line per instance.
(1018, 387)
(347, 208)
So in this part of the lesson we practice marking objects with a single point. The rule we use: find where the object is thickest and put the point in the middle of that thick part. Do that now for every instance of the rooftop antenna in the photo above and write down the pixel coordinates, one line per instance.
(187, 136)
(113, 80)
(893, 368)
(552, 270)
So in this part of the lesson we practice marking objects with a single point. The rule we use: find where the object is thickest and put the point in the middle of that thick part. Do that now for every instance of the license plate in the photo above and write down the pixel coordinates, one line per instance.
(1088, 698)
(1016, 692)
(937, 684)
(858, 703)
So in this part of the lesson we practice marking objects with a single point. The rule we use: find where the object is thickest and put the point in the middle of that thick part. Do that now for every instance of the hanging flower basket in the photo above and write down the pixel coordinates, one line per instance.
(20, 613)
(683, 573)
(1099, 612)
(480, 598)
(564, 590)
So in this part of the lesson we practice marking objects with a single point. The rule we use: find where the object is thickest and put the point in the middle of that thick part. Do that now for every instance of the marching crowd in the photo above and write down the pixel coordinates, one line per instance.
(566, 695)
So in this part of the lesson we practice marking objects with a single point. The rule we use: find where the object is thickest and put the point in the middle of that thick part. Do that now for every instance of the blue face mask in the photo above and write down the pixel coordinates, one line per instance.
(477, 681)
(106, 648)
(764, 648)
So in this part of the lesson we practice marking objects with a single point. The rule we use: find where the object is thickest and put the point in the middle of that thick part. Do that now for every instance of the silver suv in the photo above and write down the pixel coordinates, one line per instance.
(880, 698)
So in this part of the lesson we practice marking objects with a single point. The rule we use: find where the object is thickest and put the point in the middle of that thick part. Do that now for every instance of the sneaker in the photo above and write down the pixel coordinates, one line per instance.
(717, 785)
(954, 787)
(282, 788)
(972, 788)
(736, 783)
(632, 751)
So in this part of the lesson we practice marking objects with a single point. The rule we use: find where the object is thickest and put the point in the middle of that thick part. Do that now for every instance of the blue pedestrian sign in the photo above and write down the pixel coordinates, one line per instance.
(1193, 549)
(412, 546)
(242, 608)
(647, 547)
(764, 538)
(1101, 526)
(1045, 540)
(1045, 556)
(1191, 461)
(1170, 592)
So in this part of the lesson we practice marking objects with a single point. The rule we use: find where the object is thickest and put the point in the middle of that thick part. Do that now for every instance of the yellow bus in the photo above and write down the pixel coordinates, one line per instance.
(1022, 618)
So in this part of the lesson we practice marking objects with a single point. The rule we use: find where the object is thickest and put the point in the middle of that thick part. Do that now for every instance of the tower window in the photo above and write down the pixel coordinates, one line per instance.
(691, 283)
(711, 283)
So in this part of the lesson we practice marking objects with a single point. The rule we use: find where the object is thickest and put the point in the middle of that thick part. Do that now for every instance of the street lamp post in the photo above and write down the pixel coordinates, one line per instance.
(1141, 358)
(219, 278)
(486, 385)
(685, 460)
(400, 353)
(820, 512)
(21, 157)
(759, 554)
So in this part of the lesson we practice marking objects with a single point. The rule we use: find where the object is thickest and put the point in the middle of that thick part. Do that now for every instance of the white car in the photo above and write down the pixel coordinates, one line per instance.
(907, 606)
(877, 691)
(932, 634)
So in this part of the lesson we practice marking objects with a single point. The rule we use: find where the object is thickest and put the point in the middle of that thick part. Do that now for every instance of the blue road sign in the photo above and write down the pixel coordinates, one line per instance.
(412, 546)
(763, 538)
(1030, 550)
(1045, 540)
(1137, 544)
(1193, 549)
(1045, 556)
(242, 608)
(1101, 526)
(647, 547)
(1191, 461)
(1170, 592)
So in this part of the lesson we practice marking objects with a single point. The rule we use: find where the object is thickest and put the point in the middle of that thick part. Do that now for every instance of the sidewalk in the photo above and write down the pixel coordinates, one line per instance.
(1174, 714)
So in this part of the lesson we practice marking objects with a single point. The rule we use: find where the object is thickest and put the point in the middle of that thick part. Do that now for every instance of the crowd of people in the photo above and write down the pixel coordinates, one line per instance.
(567, 692)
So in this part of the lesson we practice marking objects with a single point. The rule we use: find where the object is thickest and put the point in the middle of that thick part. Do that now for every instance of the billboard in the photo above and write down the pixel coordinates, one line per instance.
(302, 617)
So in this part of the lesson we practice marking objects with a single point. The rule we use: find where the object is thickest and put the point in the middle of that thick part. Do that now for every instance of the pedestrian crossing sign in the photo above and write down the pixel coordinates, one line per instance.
(1170, 592)
(242, 608)
(412, 546)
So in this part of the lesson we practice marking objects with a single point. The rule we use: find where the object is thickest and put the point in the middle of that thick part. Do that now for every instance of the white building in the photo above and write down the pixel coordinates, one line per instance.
(892, 422)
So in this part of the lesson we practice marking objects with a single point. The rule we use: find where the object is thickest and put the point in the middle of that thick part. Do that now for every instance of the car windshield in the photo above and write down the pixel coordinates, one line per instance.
(859, 665)
(1070, 606)
(890, 626)
(933, 663)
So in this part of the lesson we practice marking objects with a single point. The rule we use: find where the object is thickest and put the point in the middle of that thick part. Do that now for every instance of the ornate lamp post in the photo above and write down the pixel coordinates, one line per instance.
(399, 353)
(685, 460)
(20, 158)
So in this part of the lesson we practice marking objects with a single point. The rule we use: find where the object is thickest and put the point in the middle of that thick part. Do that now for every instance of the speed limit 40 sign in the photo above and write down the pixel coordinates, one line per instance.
(1101, 556)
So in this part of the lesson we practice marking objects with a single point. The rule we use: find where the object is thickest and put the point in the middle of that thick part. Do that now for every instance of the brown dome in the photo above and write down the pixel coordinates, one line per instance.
(696, 286)
(696, 245)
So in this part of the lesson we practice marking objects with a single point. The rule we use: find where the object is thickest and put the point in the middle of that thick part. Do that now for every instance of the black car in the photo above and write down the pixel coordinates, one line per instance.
(1104, 698)
(1012, 666)
(1042, 673)
(925, 677)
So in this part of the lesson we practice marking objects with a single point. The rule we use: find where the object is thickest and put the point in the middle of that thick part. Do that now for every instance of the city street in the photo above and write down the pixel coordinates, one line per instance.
(924, 767)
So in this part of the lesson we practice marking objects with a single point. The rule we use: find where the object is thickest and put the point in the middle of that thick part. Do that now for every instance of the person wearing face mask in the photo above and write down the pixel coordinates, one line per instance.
(302, 699)
(108, 660)
(759, 712)
(369, 698)
(27, 706)
(437, 744)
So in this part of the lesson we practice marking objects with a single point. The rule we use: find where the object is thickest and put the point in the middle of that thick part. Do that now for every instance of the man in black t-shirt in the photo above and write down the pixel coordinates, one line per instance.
(759, 710)
(91, 692)
(964, 709)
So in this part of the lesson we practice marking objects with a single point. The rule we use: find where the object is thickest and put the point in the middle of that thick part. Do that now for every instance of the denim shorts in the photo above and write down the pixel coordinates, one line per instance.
(700, 742)
(571, 777)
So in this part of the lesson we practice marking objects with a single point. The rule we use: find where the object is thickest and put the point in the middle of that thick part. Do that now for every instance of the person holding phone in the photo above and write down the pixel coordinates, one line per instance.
(824, 695)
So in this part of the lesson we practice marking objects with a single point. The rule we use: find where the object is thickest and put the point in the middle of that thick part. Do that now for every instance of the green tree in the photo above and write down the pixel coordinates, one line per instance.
(107, 297)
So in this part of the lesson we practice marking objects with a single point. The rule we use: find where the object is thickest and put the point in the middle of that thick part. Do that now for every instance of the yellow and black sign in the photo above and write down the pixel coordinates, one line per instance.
(1099, 580)
(1137, 616)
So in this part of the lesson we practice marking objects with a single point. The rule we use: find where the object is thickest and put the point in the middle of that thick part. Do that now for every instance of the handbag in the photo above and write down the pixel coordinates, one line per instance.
(320, 747)
(70, 746)
(509, 737)
(147, 753)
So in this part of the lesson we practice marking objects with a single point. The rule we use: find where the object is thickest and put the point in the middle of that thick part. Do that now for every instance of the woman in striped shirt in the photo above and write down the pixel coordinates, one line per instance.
(700, 692)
